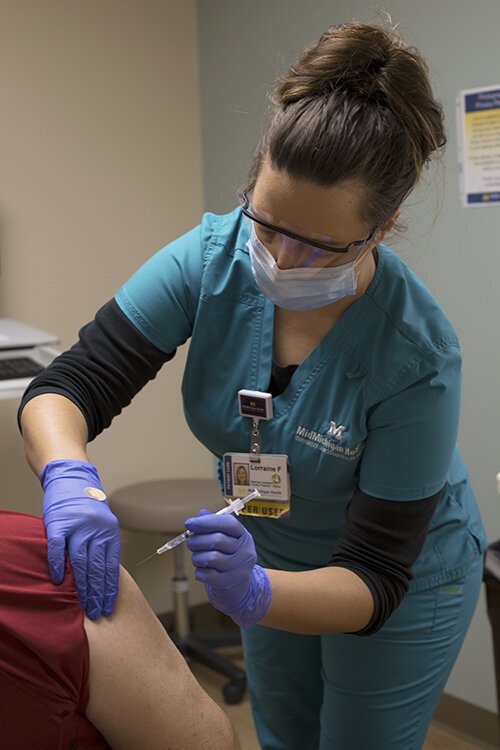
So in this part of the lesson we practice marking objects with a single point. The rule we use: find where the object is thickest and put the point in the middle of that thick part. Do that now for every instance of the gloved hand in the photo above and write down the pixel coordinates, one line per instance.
(76, 515)
(224, 557)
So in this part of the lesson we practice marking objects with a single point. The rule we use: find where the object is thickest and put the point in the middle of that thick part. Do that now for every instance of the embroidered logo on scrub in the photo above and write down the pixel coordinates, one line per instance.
(336, 432)
(330, 442)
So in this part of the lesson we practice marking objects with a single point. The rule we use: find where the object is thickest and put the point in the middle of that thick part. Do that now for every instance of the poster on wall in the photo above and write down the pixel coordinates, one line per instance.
(479, 146)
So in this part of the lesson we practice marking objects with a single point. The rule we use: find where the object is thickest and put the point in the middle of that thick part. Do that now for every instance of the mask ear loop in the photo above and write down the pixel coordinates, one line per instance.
(364, 252)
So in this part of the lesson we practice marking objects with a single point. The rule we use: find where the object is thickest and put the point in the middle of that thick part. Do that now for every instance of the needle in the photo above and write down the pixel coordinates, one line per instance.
(147, 558)
(234, 506)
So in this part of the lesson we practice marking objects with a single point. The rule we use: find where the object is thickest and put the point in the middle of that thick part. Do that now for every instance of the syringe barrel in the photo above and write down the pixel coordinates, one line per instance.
(174, 542)
(233, 507)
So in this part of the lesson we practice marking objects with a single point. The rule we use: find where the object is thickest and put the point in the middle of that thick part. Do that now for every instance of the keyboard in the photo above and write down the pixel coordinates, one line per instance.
(19, 367)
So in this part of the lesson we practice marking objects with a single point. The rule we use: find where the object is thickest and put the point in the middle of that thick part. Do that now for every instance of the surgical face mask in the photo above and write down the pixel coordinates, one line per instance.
(300, 288)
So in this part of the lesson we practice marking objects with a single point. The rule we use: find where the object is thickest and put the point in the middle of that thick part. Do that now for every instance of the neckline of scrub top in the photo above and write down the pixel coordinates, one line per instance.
(280, 378)
(320, 354)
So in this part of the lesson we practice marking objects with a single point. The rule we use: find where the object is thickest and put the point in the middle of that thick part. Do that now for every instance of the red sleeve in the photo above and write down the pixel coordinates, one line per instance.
(44, 657)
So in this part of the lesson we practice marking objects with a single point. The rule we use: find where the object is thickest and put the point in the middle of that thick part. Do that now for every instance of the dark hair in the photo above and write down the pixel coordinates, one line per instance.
(357, 106)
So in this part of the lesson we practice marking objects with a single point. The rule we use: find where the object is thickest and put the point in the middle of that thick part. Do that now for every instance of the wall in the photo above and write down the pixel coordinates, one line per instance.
(243, 46)
(100, 164)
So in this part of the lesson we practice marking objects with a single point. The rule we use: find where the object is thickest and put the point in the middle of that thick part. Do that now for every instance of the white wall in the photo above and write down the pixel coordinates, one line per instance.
(243, 46)
(100, 166)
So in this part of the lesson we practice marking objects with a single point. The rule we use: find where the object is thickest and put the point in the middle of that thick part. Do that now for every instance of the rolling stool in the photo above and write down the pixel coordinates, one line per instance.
(162, 506)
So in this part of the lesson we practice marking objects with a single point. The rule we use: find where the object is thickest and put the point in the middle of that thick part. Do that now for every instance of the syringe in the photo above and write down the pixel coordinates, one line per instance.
(235, 506)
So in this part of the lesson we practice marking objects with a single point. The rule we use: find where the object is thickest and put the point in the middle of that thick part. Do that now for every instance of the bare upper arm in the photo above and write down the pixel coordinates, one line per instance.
(141, 692)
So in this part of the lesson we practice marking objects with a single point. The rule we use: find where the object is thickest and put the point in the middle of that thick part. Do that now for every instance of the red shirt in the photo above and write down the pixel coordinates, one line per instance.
(44, 654)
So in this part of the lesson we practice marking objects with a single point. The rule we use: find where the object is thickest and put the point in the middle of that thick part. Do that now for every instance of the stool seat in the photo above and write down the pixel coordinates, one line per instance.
(163, 505)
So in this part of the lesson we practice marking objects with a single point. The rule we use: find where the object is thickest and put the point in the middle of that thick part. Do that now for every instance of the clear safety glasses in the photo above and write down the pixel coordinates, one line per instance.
(307, 249)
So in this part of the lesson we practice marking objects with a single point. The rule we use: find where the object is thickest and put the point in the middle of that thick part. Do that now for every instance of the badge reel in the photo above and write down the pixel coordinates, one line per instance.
(266, 472)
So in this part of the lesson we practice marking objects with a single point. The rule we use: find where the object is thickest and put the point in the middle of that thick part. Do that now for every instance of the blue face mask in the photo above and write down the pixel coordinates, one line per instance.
(300, 288)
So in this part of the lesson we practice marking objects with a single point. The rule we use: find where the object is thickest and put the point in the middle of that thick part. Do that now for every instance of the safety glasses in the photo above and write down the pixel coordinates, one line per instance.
(318, 245)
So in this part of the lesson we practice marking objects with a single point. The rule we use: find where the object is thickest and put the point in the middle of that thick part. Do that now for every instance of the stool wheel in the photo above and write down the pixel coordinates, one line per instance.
(233, 693)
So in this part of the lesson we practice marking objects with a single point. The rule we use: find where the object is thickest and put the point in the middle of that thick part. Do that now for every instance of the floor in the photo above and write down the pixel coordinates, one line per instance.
(240, 715)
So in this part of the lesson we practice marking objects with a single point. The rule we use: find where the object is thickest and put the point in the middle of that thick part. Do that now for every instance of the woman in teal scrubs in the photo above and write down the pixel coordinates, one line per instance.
(354, 607)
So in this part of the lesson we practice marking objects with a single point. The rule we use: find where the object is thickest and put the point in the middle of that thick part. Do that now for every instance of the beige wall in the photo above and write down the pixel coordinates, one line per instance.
(100, 166)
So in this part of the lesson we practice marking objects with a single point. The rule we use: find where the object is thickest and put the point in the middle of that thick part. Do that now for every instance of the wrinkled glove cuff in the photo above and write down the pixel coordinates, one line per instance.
(69, 469)
(255, 605)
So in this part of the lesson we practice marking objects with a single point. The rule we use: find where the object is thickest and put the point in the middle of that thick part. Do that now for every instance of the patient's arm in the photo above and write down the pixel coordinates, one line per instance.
(141, 692)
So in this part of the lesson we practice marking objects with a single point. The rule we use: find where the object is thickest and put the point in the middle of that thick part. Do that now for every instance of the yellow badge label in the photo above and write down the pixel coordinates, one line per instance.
(265, 509)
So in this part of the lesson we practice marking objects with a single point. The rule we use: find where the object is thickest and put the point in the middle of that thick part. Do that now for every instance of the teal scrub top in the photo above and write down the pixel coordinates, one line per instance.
(388, 372)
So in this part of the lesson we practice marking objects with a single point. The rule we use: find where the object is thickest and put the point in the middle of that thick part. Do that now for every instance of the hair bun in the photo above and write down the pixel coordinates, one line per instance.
(364, 61)
(349, 57)
(358, 105)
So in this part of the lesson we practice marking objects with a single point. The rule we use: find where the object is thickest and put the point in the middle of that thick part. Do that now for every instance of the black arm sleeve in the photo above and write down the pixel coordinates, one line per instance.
(103, 371)
(380, 543)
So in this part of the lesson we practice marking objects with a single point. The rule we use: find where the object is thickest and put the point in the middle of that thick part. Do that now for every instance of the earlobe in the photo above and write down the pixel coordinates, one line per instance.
(388, 226)
(395, 218)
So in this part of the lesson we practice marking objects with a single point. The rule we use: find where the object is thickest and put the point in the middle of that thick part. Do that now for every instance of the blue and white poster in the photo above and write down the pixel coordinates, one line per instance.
(479, 146)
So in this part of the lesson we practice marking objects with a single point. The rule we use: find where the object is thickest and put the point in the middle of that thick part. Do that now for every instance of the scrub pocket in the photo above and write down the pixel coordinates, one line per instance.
(349, 692)
(394, 678)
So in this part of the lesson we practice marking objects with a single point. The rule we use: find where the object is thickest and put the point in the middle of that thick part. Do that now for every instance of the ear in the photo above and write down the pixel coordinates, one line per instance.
(388, 226)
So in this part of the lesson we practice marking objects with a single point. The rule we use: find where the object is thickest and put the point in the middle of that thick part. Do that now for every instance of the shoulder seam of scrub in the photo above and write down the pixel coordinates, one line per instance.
(443, 342)
(410, 365)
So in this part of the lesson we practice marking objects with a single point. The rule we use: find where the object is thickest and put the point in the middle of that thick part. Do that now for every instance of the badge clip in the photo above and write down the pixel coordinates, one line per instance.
(257, 405)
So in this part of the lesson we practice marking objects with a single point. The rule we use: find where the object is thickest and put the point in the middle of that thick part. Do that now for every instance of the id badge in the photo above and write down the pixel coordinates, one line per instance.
(269, 475)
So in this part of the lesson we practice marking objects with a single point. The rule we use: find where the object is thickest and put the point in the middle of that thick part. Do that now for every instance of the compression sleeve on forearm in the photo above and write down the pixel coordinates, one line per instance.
(380, 543)
(103, 371)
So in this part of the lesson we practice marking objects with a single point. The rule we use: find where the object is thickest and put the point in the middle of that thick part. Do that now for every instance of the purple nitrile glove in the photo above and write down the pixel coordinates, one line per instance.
(76, 515)
(224, 557)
